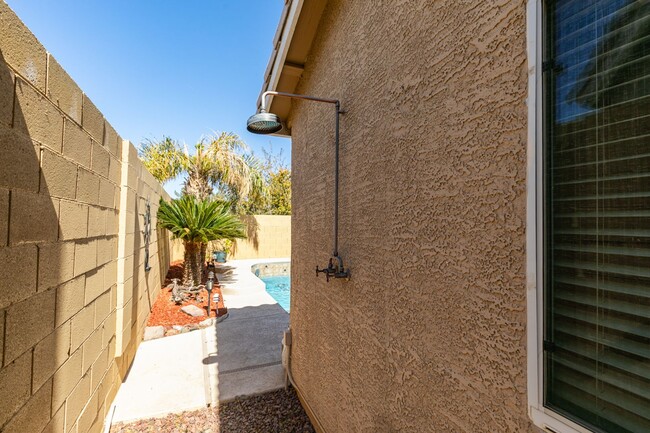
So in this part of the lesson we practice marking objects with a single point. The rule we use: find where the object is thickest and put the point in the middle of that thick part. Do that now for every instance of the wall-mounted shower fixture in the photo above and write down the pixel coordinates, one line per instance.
(268, 123)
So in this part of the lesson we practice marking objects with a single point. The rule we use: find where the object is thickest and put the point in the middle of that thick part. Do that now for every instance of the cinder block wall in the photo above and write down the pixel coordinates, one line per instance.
(137, 288)
(71, 193)
(268, 236)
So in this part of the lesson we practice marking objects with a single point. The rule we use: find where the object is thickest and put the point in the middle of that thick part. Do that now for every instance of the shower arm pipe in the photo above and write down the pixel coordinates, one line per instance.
(337, 105)
(294, 96)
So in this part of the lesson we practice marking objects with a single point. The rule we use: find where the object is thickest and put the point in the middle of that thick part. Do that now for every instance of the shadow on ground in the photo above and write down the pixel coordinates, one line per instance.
(248, 355)
(275, 412)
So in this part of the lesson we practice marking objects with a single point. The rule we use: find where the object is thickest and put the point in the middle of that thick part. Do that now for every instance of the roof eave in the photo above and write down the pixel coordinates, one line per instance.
(291, 46)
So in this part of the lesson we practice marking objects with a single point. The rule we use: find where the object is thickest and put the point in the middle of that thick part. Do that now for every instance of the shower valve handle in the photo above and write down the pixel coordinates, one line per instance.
(334, 271)
(327, 271)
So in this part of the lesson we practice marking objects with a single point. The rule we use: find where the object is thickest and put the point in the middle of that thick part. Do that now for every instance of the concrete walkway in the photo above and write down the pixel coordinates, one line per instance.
(167, 376)
(247, 356)
(237, 357)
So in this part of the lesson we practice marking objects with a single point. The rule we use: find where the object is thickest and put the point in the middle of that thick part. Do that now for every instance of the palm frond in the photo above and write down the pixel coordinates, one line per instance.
(228, 165)
(163, 159)
(193, 220)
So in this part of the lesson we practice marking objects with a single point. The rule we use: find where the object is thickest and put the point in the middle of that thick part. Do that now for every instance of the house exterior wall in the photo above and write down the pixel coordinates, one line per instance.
(430, 333)
(61, 188)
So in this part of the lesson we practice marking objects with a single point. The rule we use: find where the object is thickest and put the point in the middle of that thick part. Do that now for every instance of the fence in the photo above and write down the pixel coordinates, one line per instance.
(74, 201)
(268, 236)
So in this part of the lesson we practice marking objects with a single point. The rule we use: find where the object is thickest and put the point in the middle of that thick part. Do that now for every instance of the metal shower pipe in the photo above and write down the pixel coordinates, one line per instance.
(333, 270)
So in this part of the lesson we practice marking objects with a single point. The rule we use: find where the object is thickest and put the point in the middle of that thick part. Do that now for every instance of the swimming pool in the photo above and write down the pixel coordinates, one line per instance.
(279, 287)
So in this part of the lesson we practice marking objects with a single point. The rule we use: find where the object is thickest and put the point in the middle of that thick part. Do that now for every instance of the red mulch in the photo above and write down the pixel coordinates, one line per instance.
(167, 313)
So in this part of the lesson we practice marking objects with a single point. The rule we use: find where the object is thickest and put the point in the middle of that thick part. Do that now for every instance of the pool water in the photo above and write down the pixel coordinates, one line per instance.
(279, 287)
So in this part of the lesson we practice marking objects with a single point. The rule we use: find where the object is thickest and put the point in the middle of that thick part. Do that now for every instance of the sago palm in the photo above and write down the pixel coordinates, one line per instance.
(197, 222)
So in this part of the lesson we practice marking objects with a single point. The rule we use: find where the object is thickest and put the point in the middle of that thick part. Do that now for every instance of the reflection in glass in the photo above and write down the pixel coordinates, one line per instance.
(597, 183)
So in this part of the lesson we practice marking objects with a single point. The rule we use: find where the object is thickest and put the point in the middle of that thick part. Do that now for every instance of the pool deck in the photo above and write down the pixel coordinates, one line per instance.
(241, 288)
(245, 353)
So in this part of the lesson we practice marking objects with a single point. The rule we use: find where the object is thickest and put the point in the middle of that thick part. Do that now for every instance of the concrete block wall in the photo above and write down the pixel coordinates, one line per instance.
(64, 197)
(268, 236)
(137, 288)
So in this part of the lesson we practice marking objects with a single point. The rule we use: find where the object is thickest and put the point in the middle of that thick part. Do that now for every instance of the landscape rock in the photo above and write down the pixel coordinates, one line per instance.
(193, 310)
(152, 332)
(277, 411)
(189, 328)
(206, 322)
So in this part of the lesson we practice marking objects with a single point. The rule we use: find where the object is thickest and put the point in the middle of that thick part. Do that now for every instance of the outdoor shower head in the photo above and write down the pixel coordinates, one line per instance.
(263, 123)
(268, 123)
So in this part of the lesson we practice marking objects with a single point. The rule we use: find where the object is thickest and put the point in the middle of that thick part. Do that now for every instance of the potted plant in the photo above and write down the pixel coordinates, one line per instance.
(222, 250)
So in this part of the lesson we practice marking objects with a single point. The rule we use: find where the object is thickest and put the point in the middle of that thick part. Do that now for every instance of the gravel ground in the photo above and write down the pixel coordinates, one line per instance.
(274, 412)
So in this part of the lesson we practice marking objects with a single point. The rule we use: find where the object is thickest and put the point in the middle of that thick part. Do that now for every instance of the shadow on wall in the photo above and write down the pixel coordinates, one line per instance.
(164, 248)
(34, 336)
(137, 272)
(158, 249)
(252, 232)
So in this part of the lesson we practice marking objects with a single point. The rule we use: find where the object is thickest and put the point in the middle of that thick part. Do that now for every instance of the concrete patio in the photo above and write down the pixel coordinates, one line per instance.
(240, 356)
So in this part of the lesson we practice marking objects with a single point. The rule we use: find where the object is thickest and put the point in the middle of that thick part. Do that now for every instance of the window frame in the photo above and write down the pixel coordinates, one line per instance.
(543, 417)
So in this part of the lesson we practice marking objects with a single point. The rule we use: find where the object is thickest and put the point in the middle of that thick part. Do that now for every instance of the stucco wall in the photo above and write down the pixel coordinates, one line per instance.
(429, 335)
(67, 181)
(269, 236)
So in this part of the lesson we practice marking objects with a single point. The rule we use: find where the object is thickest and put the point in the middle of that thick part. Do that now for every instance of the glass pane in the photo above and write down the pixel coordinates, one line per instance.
(597, 213)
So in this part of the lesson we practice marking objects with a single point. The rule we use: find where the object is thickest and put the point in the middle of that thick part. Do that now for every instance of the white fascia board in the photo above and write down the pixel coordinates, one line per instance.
(289, 27)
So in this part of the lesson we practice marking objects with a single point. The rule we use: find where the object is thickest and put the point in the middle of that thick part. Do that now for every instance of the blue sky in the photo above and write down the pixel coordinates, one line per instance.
(154, 68)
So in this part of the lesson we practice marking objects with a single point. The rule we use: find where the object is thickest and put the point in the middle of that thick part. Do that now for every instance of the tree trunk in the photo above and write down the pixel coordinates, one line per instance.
(198, 186)
(192, 266)
(204, 250)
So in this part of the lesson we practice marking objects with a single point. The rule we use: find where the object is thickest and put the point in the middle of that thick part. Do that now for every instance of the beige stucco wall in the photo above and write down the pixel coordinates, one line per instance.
(429, 335)
(269, 236)
(69, 267)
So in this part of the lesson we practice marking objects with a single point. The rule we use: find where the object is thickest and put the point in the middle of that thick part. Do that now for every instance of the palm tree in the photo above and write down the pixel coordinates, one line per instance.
(219, 161)
(197, 222)
(257, 199)
(163, 158)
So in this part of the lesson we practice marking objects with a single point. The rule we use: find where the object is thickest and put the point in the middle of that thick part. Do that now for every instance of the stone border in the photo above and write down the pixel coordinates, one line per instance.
(154, 332)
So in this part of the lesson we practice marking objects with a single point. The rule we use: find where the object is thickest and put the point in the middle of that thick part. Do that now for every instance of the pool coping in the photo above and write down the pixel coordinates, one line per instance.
(284, 263)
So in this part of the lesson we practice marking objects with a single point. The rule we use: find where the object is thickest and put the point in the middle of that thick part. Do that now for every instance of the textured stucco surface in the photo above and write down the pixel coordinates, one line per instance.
(429, 335)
